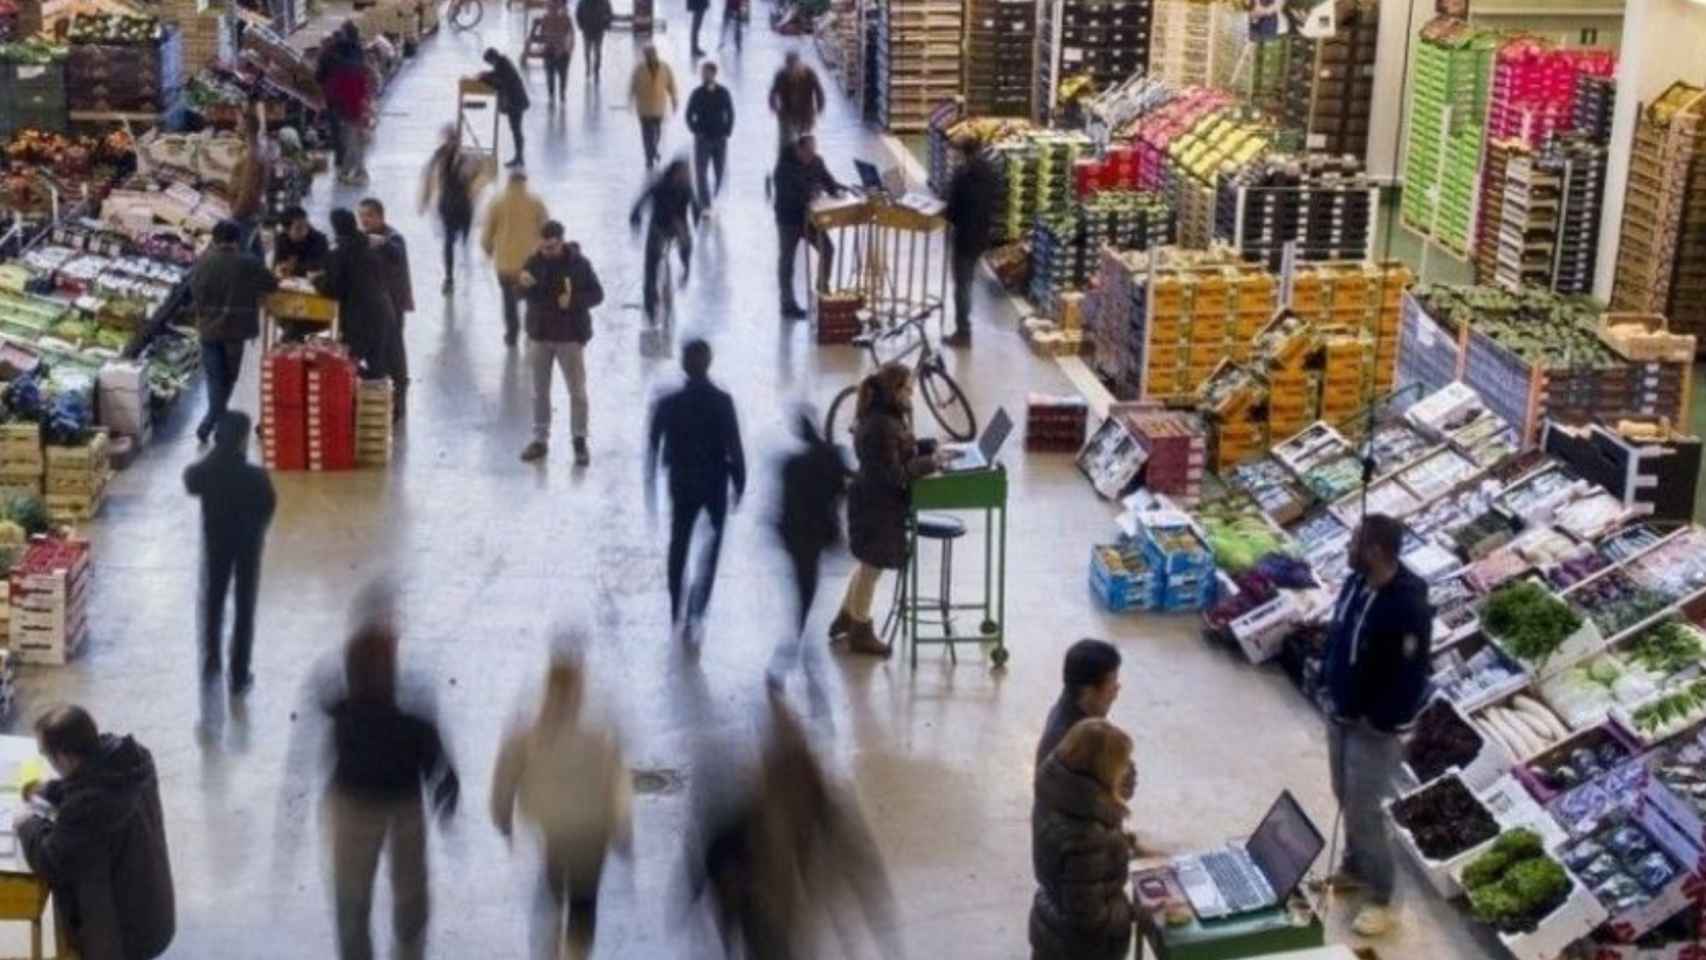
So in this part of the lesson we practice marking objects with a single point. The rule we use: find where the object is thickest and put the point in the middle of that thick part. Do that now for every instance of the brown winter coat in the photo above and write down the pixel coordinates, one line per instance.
(881, 494)
(1081, 910)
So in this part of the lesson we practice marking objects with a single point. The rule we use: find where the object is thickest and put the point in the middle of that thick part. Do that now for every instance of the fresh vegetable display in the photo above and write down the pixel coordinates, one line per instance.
(1666, 649)
(1615, 602)
(1442, 740)
(1333, 479)
(1524, 726)
(1471, 680)
(1527, 621)
(1238, 538)
(1514, 884)
(117, 28)
(1621, 864)
(1675, 568)
(1585, 693)
(1437, 473)
(1627, 542)
(1573, 568)
(1670, 712)
(1587, 756)
(1445, 819)
(1683, 769)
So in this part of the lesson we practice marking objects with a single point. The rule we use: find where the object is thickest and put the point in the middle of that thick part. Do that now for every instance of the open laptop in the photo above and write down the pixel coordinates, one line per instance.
(1261, 872)
(981, 455)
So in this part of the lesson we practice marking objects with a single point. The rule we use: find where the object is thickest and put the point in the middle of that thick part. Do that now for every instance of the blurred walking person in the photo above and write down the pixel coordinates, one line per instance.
(696, 434)
(801, 178)
(512, 97)
(672, 201)
(697, 8)
(384, 758)
(566, 776)
(237, 503)
(349, 85)
(226, 287)
(593, 17)
(796, 97)
(651, 90)
(511, 234)
(394, 256)
(558, 30)
(814, 479)
(710, 118)
(785, 853)
(97, 837)
(562, 288)
(453, 179)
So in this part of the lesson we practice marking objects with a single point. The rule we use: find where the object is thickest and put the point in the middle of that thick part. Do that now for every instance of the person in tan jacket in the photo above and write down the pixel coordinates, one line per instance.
(652, 92)
(511, 234)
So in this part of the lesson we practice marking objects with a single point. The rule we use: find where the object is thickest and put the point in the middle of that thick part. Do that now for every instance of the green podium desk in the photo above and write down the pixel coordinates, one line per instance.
(1260, 934)
(969, 491)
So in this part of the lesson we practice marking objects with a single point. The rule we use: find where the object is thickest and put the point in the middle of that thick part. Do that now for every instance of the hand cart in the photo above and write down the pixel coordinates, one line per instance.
(892, 255)
(297, 308)
(473, 96)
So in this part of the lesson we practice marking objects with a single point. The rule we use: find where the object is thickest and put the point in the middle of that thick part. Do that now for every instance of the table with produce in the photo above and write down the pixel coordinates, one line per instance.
(1556, 781)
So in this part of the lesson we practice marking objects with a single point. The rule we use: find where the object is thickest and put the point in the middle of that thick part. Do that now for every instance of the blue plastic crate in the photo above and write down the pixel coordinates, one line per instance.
(1120, 591)
(1175, 560)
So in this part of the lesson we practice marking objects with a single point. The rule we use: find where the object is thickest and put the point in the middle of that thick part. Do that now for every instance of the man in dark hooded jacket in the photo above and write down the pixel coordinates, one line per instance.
(237, 503)
(227, 285)
(355, 277)
(971, 211)
(512, 96)
(103, 850)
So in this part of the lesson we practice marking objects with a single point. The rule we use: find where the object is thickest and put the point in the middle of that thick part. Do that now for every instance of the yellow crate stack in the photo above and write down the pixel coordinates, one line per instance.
(373, 423)
(77, 479)
(1345, 374)
(21, 459)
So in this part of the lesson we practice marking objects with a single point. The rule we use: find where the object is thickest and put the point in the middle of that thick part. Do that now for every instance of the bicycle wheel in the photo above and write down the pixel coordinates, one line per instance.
(948, 402)
(842, 404)
(466, 14)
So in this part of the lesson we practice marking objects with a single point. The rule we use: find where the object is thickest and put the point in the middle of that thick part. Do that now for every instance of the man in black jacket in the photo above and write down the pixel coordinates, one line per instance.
(711, 118)
(971, 212)
(672, 201)
(800, 178)
(561, 290)
(394, 254)
(1376, 679)
(1090, 682)
(512, 96)
(103, 850)
(237, 503)
(695, 431)
(226, 287)
(299, 249)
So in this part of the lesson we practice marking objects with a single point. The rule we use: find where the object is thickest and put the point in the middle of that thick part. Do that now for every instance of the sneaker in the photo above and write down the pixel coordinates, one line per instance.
(838, 627)
(1373, 921)
(514, 163)
(582, 457)
(793, 311)
(241, 685)
(959, 338)
(203, 431)
(1343, 881)
(533, 452)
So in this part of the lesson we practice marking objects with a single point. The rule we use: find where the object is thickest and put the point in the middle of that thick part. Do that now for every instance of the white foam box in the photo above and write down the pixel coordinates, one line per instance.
(51, 647)
(1441, 874)
(1573, 919)
(1261, 632)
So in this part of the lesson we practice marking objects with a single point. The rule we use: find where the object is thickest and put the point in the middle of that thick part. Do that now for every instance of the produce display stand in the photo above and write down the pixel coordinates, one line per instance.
(970, 491)
(889, 253)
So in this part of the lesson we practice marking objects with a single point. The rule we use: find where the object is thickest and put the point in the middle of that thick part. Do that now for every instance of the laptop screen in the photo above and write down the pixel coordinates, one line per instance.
(868, 175)
(995, 435)
(1285, 845)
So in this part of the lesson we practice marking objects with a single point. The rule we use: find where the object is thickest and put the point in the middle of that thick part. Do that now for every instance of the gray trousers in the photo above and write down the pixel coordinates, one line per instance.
(541, 354)
(1364, 764)
(359, 830)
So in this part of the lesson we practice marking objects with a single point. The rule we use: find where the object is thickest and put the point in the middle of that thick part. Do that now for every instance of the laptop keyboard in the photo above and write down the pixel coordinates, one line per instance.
(1231, 874)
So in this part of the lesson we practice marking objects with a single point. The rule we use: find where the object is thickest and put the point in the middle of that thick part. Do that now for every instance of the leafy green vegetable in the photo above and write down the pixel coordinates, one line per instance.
(1529, 622)
(1515, 885)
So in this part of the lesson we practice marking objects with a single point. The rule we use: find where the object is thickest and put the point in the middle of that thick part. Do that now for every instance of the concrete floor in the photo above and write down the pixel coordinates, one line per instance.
(493, 558)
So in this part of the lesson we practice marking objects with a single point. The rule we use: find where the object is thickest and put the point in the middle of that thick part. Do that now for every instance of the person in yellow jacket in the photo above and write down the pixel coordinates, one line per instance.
(511, 234)
(652, 92)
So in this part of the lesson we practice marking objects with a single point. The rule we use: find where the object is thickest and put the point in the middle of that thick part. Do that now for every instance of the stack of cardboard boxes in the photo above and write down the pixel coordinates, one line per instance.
(21, 460)
(373, 423)
(77, 479)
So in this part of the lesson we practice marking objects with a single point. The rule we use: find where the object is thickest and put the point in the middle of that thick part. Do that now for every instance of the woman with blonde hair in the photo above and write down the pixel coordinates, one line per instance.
(878, 501)
(1079, 848)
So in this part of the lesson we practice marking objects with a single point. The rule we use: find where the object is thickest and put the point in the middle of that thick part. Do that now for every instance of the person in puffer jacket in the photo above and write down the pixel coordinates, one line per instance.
(1079, 849)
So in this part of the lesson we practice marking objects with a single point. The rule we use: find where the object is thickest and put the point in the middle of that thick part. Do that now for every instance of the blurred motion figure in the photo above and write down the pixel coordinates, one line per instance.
(566, 776)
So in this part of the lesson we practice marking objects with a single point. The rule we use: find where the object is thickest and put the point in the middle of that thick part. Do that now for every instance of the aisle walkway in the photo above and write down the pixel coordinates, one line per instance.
(494, 557)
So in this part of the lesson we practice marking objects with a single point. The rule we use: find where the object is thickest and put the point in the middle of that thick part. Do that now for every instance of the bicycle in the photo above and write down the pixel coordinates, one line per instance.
(947, 402)
(465, 14)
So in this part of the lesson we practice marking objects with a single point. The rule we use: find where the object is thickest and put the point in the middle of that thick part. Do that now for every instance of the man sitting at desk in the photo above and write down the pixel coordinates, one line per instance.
(801, 178)
(103, 851)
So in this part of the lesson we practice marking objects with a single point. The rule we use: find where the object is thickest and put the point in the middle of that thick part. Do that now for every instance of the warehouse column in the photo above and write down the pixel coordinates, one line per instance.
(1661, 45)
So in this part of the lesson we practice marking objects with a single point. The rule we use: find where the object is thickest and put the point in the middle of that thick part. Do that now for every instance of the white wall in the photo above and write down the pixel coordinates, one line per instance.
(1663, 41)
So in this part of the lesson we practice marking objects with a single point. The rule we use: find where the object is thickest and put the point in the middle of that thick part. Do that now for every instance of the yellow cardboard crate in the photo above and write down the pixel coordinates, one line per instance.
(1209, 301)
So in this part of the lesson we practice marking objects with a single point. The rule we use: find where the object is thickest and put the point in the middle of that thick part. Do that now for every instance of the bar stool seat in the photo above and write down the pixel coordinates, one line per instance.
(944, 529)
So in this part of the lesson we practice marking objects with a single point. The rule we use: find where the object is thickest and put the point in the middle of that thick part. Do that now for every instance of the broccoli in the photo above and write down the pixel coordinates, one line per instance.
(1538, 882)
(1519, 844)
(1485, 870)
